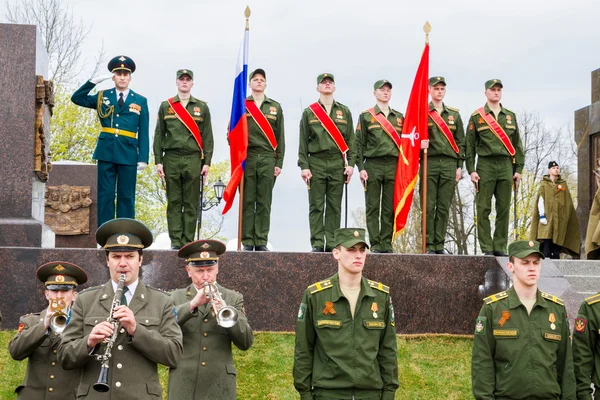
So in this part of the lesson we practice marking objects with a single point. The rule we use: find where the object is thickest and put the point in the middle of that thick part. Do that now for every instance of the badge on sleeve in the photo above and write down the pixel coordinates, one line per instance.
(580, 324)
(480, 325)
(301, 312)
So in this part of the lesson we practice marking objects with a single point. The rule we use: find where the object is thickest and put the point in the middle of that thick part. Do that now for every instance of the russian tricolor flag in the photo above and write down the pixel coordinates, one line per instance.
(238, 126)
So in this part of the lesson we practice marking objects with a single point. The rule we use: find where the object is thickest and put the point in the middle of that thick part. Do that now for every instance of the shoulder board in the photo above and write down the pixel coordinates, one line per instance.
(553, 298)
(510, 111)
(342, 105)
(274, 101)
(158, 290)
(202, 101)
(475, 113)
(452, 109)
(379, 286)
(396, 112)
(593, 299)
(366, 112)
(90, 289)
(31, 314)
(317, 287)
(495, 297)
(138, 95)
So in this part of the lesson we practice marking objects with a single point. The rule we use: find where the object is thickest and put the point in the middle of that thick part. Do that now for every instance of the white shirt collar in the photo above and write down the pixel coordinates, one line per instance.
(130, 291)
(125, 93)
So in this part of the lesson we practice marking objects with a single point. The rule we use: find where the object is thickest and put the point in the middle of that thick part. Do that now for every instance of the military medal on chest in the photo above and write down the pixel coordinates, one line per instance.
(197, 111)
(339, 114)
(374, 308)
(508, 119)
(552, 319)
(451, 119)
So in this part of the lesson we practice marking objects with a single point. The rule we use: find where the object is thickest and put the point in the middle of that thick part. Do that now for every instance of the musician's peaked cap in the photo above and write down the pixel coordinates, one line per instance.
(61, 275)
(123, 234)
(202, 253)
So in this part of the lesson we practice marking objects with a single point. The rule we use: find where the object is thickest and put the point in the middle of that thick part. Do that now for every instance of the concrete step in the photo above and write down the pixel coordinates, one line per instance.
(583, 275)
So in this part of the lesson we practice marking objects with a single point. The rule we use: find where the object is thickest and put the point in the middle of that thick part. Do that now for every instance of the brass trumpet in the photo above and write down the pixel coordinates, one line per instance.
(60, 316)
(226, 316)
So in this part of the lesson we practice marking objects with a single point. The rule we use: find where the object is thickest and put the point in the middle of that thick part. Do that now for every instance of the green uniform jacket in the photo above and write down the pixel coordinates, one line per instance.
(45, 378)
(315, 139)
(481, 140)
(133, 371)
(439, 144)
(206, 370)
(372, 140)
(257, 140)
(337, 352)
(172, 135)
(563, 226)
(592, 237)
(586, 347)
(520, 356)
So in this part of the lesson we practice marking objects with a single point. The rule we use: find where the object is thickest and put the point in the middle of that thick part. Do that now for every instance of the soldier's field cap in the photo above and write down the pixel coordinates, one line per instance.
(493, 82)
(121, 63)
(434, 80)
(184, 72)
(259, 71)
(61, 275)
(348, 237)
(552, 164)
(123, 234)
(381, 83)
(524, 248)
(323, 76)
(202, 253)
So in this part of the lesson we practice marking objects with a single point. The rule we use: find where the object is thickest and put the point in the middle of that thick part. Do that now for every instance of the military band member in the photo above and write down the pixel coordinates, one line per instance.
(445, 160)
(207, 370)
(266, 148)
(377, 148)
(183, 149)
(345, 331)
(522, 348)
(326, 156)
(39, 335)
(123, 144)
(493, 136)
(146, 335)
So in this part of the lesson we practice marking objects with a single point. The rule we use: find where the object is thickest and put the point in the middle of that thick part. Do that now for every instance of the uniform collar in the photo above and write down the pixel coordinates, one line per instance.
(432, 107)
(488, 110)
(514, 301)
(265, 100)
(176, 99)
(365, 288)
(378, 110)
(332, 104)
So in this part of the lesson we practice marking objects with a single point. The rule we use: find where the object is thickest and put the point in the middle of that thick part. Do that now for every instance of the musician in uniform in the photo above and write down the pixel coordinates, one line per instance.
(207, 370)
(39, 335)
(146, 334)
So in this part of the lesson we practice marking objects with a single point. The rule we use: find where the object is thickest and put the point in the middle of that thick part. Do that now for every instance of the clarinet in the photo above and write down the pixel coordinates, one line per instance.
(102, 384)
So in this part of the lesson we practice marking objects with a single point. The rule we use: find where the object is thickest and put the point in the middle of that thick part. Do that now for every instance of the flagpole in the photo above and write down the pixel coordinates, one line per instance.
(426, 29)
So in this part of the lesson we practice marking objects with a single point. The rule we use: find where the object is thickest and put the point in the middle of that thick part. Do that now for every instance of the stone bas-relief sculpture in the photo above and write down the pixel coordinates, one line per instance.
(67, 209)
(44, 100)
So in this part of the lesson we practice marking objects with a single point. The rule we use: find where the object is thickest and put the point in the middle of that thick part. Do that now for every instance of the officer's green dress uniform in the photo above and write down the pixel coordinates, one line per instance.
(123, 142)
(495, 167)
(259, 179)
(133, 366)
(318, 152)
(176, 148)
(45, 378)
(207, 370)
(442, 162)
(521, 356)
(377, 153)
(586, 347)
(338, 356)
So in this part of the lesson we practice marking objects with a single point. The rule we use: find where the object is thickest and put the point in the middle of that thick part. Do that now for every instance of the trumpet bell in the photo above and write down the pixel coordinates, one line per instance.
(227, 317)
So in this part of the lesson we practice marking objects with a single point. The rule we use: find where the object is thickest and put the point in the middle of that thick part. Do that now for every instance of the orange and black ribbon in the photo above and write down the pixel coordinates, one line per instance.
(328, 308)
(505, 317)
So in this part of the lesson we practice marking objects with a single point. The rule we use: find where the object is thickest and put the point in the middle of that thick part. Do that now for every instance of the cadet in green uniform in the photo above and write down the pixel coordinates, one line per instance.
(263, 164)
(123, 144)
(345, 332)
(179, 158)
(496, 169)
(324, 168)
(146, 334)
(207, 370)
(376, 159)
(444, 163)
(40, 333)
(522, 348)
(554, 222)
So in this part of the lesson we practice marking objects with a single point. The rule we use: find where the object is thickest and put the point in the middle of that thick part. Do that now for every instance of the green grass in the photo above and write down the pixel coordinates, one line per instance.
(430, 367)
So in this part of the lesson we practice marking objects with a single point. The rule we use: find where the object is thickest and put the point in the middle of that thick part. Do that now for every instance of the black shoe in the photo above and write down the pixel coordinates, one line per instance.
(329, 250)
(441, 252)
(500, 254)
(376, 251)
(248, 248)
(387, 251)
(488, 253)
(260, 248)
(431, 252)
(175, 247)
(317, 250)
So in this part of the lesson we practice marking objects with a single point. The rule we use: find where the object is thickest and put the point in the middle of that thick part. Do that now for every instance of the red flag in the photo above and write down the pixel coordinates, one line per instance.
(414, 130)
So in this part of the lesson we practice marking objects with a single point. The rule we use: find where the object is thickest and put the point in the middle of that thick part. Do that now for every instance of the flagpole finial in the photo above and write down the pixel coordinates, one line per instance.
(427, 29)
(247, 14)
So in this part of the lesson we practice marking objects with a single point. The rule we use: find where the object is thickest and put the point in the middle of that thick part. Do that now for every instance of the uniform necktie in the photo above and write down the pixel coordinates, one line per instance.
(121, 101)
(123, 297)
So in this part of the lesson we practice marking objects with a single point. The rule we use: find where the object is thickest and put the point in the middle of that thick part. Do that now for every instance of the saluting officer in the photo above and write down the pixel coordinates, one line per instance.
(37, 339)
(207, 370)
(123, 144)
(345, 331)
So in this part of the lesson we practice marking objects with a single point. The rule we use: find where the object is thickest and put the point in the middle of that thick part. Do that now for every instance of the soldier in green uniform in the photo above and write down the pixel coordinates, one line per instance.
(444, 163)
(266, 148)
(592, 237)
(493, 136)
(345, 332)
(123, 144)
(39, 334)
(326, 156)
(183, 149)
(554, 222)
(207, 370)
(522, 348)
(145, 335)
(376, 157)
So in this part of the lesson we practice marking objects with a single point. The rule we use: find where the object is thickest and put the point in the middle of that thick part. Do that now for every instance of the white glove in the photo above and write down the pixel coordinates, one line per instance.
(97, 79)
(141, 166)
(541, 208)
(543, 220)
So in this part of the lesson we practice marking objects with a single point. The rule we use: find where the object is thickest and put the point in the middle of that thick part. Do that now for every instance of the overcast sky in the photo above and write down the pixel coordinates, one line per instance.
(543, 51)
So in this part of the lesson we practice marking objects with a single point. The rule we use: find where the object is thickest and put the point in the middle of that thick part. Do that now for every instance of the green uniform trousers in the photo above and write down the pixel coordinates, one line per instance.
(325, 197)
(259, 179)
(441, 182)
(495, 175)
(182, 176)
(123, 177)
(379, 198)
